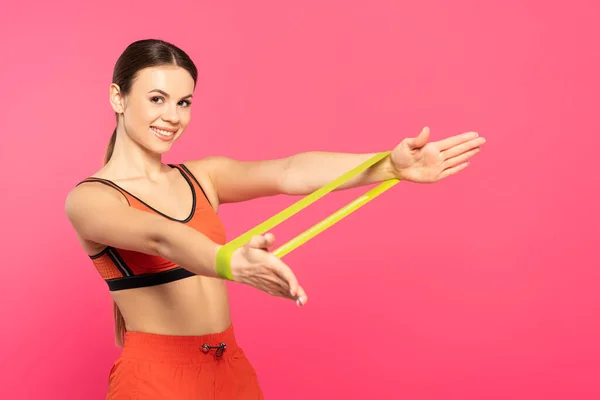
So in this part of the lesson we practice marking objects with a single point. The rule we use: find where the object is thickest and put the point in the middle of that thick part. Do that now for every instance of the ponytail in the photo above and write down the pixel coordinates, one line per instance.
(111, 146)
(120, 328)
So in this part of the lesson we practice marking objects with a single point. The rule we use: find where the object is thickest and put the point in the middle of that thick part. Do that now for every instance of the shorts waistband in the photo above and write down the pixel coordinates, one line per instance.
(181, 349)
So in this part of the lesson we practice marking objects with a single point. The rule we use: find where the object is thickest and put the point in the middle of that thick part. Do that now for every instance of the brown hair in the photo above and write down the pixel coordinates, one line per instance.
(137, 56)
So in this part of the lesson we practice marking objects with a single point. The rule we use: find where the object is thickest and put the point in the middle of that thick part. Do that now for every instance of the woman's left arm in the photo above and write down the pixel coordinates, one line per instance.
(299, 174)
(414, 159)
(309, 171)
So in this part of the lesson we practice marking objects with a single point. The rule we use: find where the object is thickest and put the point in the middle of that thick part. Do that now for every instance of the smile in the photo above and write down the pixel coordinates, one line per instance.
(163, 132)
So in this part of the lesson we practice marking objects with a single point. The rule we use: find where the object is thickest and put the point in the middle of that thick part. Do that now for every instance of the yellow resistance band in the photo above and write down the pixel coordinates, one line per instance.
(225, 252)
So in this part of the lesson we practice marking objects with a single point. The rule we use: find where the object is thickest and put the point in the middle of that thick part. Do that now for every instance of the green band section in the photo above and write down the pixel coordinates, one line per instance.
(333, 218)
(225, 252)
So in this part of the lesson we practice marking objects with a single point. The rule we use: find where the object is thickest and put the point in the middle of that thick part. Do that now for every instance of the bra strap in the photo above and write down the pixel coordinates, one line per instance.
(191, 176)
(107, 183)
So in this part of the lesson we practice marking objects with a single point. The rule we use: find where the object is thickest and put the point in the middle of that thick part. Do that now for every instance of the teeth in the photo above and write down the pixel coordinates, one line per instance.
(161, 132)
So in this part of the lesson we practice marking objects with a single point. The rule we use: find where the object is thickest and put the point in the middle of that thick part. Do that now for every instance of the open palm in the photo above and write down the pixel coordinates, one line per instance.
(416, 160)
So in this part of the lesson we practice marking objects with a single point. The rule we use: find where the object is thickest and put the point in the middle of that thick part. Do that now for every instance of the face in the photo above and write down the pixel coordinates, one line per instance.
(157, 110)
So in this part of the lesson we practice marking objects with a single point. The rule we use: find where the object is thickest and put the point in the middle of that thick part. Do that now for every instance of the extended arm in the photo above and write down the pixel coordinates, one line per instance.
(414, 159)
(299, 174)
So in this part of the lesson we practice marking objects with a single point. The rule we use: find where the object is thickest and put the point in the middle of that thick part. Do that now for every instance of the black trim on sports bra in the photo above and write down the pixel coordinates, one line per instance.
(107, 183)
(98, 255)
(119, 188)
(187, 170)
(138, 281)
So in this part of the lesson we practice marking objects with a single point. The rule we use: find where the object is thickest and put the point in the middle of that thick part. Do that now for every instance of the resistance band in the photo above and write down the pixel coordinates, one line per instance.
(225, 252)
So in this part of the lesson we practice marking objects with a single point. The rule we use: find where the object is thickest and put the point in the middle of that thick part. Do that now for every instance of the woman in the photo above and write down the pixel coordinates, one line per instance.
(153, 233)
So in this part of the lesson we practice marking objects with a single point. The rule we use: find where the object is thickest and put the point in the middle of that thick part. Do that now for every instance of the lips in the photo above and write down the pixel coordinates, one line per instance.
(163, 133)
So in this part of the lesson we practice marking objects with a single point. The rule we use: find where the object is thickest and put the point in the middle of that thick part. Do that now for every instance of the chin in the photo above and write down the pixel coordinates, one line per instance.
(161, 148)
(154, 146)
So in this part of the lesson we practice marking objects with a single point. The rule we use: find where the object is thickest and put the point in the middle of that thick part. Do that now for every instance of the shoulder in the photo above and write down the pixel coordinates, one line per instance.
(203, 170)
(88, 196)
(210, 164)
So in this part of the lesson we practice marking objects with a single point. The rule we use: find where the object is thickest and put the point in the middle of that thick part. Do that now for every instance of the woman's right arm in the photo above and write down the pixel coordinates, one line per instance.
(101, 216)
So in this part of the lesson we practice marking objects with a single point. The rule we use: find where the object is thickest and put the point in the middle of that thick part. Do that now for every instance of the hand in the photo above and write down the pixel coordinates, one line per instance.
(415, 160)
(253, 265)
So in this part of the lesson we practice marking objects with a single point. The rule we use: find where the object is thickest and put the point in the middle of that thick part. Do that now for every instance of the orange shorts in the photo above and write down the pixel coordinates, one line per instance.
(166, 367)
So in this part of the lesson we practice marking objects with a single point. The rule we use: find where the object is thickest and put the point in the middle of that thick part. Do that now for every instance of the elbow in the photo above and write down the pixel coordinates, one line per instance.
(159, 239)
(290, 182)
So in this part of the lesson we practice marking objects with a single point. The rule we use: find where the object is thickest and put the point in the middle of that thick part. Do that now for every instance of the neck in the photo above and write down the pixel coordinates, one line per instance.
(130, 160)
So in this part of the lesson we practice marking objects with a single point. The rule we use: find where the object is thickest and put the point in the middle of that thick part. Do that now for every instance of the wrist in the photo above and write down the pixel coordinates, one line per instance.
(391, 171)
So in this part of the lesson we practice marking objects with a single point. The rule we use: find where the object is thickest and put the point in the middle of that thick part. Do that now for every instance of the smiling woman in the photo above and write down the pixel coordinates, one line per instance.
(141, 222)
(164, 109)
(153, 234)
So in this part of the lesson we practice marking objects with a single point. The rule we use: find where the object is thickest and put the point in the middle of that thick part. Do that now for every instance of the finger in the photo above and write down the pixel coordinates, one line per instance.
(280, 288)
(285, 273)
(283, 287)
(262, 241)
(301, 297)
(463, 147)
(420, 140)
(269, 240)
(454, 170)
(289, 283)
(256, 241)
(277, 286)
(452, 141)
(454, 161)
(269, 282)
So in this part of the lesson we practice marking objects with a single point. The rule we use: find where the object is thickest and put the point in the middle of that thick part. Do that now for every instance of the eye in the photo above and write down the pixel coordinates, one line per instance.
(156, 99)
(185, 103)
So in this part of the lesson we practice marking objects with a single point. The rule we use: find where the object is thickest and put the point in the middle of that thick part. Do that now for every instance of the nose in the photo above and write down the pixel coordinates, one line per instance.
(171, 115)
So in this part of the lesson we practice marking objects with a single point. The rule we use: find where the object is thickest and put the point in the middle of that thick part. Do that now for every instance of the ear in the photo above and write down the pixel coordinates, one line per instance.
(116, 99)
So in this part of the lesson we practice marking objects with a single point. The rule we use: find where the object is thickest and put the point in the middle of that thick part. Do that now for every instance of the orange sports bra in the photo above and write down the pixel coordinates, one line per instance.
(125, 269)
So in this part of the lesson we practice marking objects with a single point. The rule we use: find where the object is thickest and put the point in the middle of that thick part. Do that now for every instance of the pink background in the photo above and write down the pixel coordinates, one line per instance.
(484, 286)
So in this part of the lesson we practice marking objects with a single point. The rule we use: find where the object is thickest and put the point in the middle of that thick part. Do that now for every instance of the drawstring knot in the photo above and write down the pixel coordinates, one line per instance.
(219, 349)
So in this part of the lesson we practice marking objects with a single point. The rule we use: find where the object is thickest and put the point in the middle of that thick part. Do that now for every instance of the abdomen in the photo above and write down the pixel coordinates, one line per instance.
(192, 306)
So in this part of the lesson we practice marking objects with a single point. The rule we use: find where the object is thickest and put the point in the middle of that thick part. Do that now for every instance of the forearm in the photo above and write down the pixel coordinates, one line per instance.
(187, 247)
(307, 172)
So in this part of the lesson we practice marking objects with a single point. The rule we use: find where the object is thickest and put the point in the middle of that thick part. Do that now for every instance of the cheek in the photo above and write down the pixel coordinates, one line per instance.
(138, 120)
(185, 117)
(148, 115)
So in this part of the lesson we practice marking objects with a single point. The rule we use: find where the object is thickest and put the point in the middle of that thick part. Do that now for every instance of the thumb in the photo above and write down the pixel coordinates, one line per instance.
(420, 140)
(262, 241)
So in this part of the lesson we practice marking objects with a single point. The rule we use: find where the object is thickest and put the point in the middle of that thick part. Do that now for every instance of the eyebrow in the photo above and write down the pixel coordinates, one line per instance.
(167, 95)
